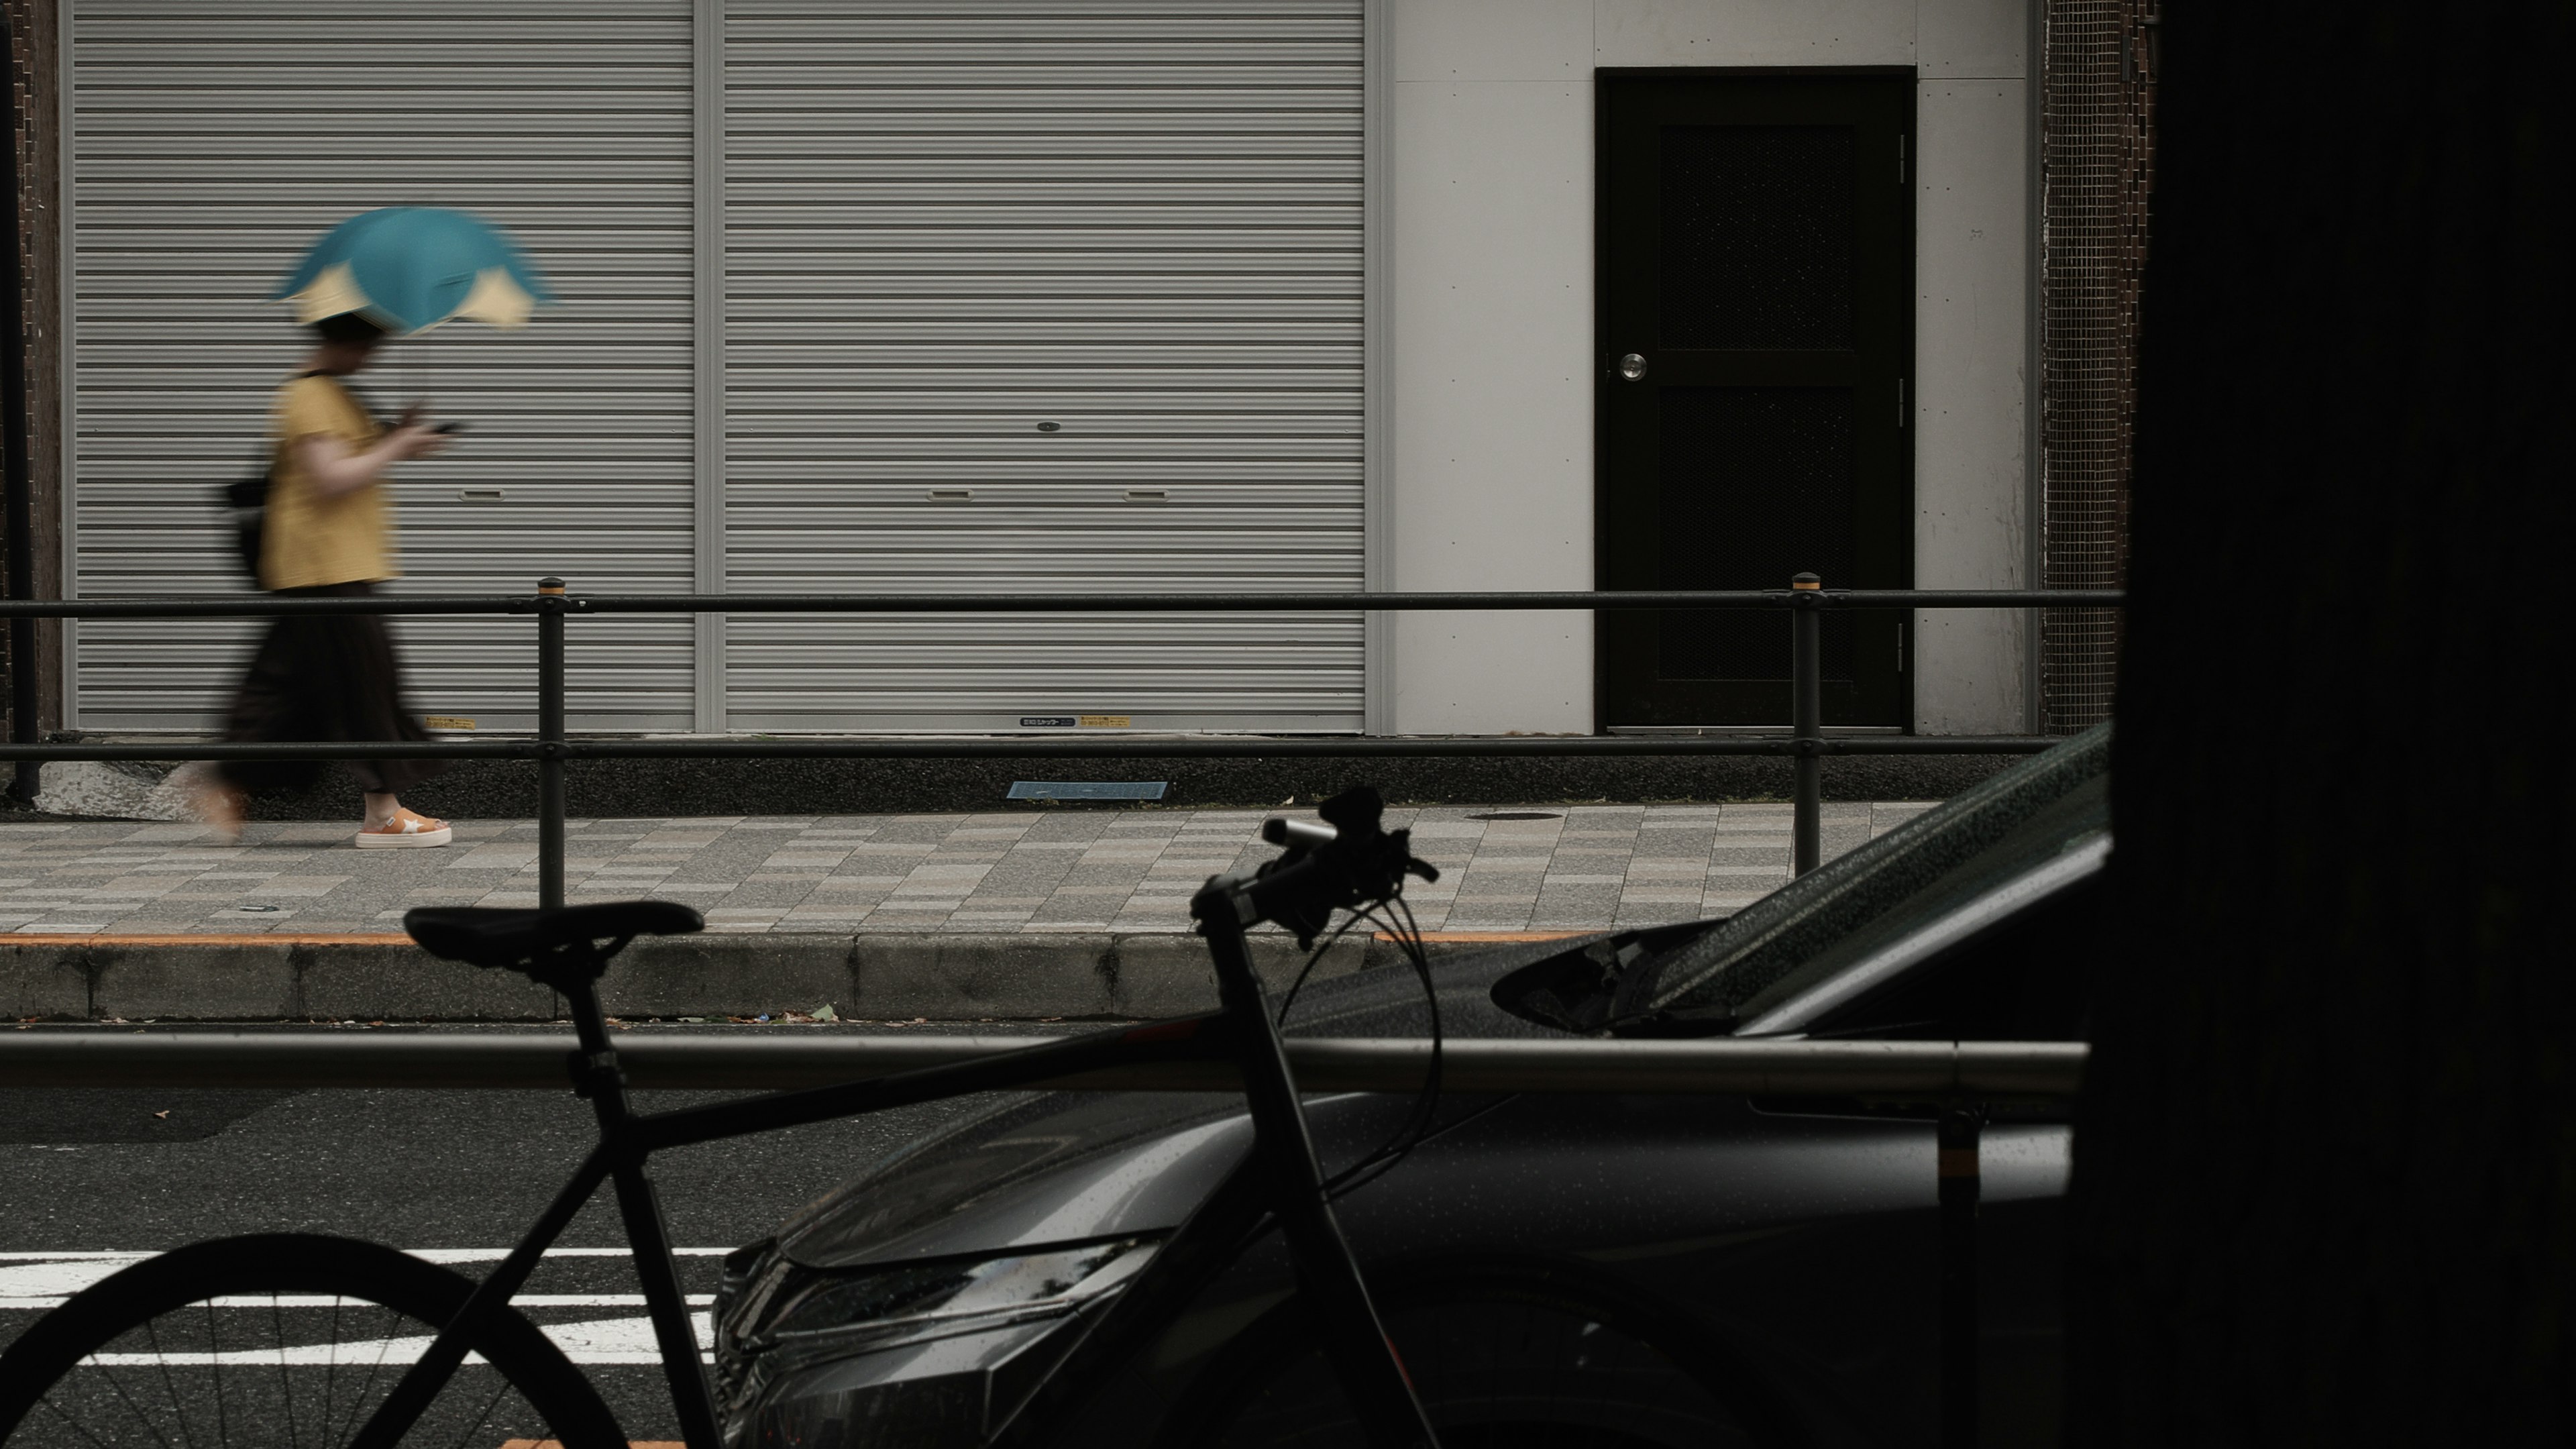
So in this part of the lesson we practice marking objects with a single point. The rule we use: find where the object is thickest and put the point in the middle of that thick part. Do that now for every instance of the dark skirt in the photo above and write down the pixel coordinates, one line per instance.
(324, 677)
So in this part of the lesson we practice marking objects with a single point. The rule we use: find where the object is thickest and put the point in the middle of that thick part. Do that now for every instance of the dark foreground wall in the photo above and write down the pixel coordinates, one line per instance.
(2325, 1185)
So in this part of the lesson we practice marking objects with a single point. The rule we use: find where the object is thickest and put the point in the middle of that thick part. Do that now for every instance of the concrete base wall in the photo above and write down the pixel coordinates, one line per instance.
(877, 977)
(481, 790)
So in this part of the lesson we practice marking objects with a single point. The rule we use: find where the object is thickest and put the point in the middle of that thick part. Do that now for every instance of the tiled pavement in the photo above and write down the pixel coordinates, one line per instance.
(1579, 867)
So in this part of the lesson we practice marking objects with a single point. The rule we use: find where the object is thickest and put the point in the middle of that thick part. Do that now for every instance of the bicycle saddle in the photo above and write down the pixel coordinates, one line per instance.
(481, 936)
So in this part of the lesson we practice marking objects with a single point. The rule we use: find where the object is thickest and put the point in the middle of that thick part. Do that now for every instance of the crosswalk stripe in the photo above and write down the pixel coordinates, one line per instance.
(37, 1281)
(600, 1341)
(326, 1300)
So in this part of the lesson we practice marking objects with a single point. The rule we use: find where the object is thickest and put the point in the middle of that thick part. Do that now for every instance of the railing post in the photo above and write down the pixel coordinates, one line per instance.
(1959, 1132)
(550, 737)
(1806, 719)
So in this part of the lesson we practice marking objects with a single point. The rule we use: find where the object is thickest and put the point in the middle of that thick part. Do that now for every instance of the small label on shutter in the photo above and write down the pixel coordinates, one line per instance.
(1046, 721)
(446, 722)
(1106, 721)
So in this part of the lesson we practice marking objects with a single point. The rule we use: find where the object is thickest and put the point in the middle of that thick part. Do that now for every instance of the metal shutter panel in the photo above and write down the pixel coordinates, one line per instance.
(949, 223)
(213, 140)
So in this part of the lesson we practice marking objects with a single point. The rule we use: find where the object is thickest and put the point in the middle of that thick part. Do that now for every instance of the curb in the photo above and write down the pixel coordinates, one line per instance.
(881, 976)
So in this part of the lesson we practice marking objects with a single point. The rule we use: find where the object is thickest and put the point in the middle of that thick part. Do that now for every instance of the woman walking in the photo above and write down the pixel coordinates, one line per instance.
(329, 534)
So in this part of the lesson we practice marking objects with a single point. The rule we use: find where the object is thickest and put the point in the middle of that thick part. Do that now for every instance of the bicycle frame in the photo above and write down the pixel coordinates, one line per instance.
(1280, 1177)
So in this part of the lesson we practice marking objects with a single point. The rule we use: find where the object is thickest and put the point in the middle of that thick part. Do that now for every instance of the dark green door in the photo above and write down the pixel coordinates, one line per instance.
(1756, 255)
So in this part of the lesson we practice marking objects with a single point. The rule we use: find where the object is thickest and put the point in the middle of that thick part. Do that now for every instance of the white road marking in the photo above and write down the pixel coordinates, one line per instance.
(38, 1281)
(603, 1341)
(434, 1255)
(325, 1300)
(494, 1255)
(33, 1282)
(57, 1275)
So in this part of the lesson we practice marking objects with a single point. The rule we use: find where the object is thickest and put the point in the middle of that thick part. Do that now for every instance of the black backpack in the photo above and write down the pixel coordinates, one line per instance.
(248, 500)
(248, 497)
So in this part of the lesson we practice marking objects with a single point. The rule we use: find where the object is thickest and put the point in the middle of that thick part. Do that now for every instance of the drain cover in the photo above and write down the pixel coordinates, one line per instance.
(1087, 789)
(1517, 815)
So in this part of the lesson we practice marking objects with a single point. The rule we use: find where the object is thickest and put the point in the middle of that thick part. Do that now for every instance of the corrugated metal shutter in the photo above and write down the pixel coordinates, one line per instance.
(213, 140)
(950, 224)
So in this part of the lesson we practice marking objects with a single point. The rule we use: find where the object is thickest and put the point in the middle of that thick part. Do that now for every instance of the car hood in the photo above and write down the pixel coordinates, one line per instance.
(1028, 1168)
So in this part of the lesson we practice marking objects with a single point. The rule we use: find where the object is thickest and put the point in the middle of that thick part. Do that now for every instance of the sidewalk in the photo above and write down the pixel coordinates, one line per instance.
(1578, 868)
(1021, 916)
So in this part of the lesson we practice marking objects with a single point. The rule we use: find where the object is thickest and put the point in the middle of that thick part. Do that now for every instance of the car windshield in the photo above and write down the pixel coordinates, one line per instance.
(2026, 833)
(2056, 849)
(1852, 906)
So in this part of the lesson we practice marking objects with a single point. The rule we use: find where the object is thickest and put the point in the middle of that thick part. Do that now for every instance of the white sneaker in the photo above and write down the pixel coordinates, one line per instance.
(406, 831)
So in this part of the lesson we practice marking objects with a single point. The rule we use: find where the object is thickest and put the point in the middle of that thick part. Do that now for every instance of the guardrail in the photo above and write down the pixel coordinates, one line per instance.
(1806, 743)
(1913, 1070)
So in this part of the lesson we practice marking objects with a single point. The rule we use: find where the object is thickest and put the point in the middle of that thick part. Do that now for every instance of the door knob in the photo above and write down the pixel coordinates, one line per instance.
(1632, 366)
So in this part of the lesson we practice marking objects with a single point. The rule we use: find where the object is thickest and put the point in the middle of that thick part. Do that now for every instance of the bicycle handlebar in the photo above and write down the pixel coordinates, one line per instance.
(1281, 831)
(1344, 864)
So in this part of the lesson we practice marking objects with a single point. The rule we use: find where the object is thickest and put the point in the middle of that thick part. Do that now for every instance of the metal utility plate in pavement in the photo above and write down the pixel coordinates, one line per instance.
(1088, 789)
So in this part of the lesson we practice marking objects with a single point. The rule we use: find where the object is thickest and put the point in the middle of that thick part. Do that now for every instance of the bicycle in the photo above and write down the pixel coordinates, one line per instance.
(132, 1342)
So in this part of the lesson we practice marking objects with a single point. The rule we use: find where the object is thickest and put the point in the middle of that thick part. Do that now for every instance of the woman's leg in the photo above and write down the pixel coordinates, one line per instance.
(273, 704)
(371, 705)
(369, 701)
(215, 800)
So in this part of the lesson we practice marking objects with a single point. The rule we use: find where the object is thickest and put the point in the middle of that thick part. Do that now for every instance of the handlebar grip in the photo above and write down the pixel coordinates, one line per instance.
(1298, 833)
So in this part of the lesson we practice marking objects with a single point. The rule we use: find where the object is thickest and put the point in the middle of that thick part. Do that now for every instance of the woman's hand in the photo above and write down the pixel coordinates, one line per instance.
(413, 440)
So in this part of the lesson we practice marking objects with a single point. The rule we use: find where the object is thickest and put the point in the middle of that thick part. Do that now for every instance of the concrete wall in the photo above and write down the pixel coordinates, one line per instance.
(1971, 360)
(1491, 153)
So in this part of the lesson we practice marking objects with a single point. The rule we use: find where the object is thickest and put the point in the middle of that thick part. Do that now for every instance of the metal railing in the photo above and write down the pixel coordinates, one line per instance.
(1926, 1071)
(551, 747)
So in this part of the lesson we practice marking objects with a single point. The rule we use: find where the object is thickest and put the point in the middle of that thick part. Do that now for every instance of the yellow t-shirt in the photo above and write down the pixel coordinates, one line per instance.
(308, 540)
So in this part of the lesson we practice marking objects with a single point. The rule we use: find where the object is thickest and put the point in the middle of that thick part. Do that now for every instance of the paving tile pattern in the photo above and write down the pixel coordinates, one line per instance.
(1584, 867)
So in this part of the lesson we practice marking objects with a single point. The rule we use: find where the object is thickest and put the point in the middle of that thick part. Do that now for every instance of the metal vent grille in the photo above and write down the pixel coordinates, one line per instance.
(207, 160)
(2096, 156)
(1757, 487)
(950, 226)
(1757, 236)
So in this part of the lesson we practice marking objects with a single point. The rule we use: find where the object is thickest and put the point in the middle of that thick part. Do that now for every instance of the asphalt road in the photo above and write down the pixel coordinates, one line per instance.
(91, 1179)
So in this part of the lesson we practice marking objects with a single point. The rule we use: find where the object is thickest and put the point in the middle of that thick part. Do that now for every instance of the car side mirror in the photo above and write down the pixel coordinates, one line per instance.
(1591, 985)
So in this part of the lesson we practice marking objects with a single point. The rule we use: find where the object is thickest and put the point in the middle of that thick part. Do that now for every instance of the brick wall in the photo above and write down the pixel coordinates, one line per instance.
(2096, 159)
(36, 134)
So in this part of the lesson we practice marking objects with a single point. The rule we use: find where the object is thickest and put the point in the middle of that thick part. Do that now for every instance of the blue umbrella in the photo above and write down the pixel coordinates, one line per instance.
(409, 268)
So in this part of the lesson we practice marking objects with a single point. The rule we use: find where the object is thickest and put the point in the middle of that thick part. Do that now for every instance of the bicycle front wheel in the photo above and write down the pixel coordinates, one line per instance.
(284, 1339)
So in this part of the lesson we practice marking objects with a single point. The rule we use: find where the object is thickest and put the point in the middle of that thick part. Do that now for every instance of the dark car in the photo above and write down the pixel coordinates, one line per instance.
(1557, 1269)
